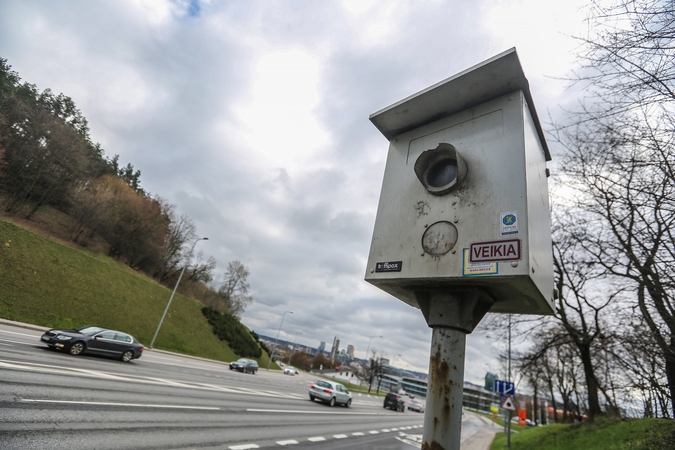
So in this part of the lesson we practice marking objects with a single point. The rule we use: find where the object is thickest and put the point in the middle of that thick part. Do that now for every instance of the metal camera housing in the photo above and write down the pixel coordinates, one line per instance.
(464, 203)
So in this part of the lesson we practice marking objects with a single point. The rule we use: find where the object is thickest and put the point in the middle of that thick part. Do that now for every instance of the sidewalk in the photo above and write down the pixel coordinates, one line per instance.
(482, 440)
(479, 441)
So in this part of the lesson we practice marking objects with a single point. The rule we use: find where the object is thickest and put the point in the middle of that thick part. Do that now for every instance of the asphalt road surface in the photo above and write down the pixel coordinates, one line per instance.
(166, 401)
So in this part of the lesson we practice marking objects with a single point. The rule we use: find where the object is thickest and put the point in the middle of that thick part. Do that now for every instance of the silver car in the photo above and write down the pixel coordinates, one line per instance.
(330, 392)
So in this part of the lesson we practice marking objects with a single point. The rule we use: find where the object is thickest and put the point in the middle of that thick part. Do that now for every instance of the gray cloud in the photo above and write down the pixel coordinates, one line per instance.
(163, 84)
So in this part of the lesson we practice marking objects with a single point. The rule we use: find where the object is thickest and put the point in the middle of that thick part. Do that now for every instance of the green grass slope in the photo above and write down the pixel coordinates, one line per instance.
(46, 283)
(603, 434)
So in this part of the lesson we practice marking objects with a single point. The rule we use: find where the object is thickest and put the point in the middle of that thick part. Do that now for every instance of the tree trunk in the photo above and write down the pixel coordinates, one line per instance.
(670, 374)
(591, 382)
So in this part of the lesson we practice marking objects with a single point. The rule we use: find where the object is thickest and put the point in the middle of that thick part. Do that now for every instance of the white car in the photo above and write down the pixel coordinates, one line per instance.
(290, 371)
(330, 392)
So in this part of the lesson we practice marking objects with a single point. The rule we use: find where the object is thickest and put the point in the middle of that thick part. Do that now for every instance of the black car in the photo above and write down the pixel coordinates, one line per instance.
(94, 340)
(394, 402)
(244, 365)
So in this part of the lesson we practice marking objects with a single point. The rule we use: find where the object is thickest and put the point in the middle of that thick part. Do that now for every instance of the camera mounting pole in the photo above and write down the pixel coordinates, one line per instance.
(452, 315)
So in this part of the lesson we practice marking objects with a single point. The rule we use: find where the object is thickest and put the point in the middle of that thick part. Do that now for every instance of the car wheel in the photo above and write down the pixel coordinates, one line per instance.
(348, 404)
(311, 398)
(127, 356)
(77, 348)
(332, 401)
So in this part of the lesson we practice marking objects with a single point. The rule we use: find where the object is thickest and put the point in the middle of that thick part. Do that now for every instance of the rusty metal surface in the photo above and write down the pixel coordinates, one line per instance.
(443, 414)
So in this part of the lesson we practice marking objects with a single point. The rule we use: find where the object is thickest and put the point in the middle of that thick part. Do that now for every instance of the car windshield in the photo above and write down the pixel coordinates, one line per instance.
(243, 360)
(90, 331)
(323, 384)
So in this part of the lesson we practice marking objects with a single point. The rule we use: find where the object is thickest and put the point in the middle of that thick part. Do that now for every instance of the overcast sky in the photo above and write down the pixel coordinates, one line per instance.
(252, 118)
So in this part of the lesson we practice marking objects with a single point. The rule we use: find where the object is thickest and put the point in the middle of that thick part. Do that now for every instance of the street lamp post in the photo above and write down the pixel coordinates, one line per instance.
(174, 290)
(293, 349)
(368, 349)
(276, 341)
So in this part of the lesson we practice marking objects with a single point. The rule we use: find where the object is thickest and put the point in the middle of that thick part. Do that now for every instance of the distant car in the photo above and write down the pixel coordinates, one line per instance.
(330, 392)
(415, 405)
(394, 401)
(290, 371)
(529, 423)
(244, 365)
(94, 340)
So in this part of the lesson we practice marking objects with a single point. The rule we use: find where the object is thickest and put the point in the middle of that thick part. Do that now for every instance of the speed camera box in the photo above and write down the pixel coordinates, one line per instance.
(464, 201)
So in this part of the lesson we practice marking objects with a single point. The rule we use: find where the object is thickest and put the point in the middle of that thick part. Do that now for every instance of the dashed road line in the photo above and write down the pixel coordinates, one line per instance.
(288, 442)
(340, 436)
(52, 369)
(316, 439)
(137, 405)
(243, 447)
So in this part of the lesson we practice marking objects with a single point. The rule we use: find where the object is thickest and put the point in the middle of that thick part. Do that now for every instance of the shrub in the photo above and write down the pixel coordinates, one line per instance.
(229, 329)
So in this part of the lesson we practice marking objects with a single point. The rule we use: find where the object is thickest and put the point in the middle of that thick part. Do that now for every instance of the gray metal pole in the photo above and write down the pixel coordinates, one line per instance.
(452, 315)
(276, 340)
(508, 415)
(174, 291)
(443, 414)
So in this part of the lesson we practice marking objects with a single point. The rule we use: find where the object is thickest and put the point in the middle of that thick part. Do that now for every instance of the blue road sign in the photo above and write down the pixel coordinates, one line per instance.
(504, 387)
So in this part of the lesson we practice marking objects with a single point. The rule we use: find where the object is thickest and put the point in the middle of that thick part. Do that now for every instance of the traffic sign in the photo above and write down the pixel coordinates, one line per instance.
(504, 387)
(508, 404)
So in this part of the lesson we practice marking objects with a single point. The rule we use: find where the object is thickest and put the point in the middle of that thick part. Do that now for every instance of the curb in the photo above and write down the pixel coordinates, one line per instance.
(23, 325)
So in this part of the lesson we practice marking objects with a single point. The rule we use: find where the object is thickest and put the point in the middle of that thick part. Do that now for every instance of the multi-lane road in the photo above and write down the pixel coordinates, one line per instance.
(163, 401)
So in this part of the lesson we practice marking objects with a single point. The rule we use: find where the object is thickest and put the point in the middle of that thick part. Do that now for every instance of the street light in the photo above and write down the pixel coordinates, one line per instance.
(174, 289)
(276, 341)
(293, 342)
(368, 349)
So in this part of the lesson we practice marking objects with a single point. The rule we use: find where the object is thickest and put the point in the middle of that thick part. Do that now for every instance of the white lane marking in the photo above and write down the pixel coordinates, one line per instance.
(16, 342)
(8, 345)
(358, 434)
(374, 432)
(140, 405)
(288, 442)
(242, 447)
(394, 429)
(340, 436)
(51, 369)
(386, 430)
(286, 411)
(316, 439)
(34, 336)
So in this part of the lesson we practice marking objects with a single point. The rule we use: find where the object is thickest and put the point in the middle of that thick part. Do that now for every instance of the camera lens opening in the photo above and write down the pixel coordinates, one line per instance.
(442, 173)
(440, 170)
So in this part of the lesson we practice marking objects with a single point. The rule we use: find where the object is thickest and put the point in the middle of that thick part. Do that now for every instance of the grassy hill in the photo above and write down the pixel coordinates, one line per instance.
(603, 434)
(47, 283)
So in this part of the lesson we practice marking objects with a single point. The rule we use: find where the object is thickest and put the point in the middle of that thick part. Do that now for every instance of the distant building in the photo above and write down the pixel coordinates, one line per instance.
(384, 361)
(478, 398)
(336, 347)
(414, 387)
(322, 347)
(350, 351)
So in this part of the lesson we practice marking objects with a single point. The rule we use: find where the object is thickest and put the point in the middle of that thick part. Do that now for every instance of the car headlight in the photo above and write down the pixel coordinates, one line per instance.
(61, 337)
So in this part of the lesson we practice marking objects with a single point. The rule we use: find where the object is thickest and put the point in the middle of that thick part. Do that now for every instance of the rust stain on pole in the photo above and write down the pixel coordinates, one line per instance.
(432, 446)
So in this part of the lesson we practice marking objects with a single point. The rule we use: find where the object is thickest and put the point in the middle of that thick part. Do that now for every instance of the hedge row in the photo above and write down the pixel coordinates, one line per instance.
(229, 329)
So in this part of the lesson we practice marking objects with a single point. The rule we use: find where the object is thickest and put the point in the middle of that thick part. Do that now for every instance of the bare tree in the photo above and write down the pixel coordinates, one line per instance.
(234, 290)
(181, 231)
(619, 157)
(584, 299)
